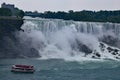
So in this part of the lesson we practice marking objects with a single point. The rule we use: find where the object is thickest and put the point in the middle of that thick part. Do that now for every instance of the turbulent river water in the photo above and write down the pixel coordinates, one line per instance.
(55, 69)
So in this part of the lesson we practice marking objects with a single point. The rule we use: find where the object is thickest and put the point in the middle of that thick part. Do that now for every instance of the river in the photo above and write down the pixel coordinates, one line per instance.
(58, 69)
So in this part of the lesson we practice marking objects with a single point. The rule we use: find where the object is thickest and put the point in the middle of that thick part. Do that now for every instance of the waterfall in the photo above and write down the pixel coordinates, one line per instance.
(55, 38)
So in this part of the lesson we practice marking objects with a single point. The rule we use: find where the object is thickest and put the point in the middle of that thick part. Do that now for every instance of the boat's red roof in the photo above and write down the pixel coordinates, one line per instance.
(23, 66)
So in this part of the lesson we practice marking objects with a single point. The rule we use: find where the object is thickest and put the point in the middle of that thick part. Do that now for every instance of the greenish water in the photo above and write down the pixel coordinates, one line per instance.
(54, 69)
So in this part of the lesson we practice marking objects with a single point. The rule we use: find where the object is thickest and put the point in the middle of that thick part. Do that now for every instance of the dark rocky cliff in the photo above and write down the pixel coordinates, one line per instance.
(9, 25)
(10, 47)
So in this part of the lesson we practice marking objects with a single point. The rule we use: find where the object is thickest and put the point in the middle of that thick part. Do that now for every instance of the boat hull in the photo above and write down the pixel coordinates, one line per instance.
(22, 71)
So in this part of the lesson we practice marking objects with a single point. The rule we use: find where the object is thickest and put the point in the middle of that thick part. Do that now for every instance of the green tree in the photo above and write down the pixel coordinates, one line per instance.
(5, 12)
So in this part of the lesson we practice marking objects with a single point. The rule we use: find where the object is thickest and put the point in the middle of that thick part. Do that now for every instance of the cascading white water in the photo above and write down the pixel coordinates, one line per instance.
(55, 38)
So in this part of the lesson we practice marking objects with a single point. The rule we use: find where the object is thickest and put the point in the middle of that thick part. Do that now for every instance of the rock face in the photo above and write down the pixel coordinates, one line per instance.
(9, 25)
(107, 52)
(10, 47)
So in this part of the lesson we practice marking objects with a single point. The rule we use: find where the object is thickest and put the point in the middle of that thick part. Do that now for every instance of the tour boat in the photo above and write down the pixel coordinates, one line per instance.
(23, 68)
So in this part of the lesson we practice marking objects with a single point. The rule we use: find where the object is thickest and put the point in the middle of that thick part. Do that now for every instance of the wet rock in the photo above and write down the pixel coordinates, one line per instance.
(110, 49)
(98, 55)
(116, 50)
(117, 57)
